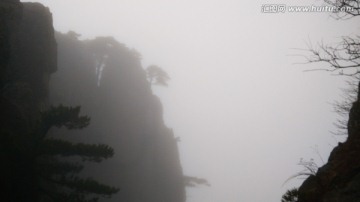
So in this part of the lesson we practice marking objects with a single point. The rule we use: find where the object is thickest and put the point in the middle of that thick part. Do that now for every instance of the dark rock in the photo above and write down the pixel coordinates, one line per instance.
(339, 179)
(27, 58)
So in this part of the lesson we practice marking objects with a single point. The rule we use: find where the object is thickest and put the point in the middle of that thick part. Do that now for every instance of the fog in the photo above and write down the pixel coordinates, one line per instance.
(244, 108)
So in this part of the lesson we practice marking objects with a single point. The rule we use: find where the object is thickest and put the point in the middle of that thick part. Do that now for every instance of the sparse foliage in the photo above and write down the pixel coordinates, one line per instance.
(310, 167)
(291, 195)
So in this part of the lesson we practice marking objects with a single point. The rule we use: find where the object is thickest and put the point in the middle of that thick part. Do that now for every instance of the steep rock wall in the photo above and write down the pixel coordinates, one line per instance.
(107, 80)
(27, 58)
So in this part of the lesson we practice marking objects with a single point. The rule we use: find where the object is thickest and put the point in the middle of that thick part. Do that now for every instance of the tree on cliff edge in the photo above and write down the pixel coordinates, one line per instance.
(157, 75)
(49, 175)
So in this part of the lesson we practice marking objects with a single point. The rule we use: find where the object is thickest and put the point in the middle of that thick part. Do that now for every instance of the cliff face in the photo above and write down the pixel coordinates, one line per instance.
(107, 80)
(27, 58)
(339, 179)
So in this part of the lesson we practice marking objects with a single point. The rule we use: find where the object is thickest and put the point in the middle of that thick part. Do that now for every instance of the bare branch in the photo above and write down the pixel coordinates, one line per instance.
(343, 58)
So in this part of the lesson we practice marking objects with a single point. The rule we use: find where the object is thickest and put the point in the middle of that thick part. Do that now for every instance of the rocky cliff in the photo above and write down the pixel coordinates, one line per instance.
(27, 58)
(107, 80)
(339, 179)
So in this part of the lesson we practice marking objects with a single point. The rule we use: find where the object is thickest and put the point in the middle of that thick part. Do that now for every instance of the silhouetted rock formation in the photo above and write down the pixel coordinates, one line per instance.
(339, 179)
(27, 58)
(107, 80)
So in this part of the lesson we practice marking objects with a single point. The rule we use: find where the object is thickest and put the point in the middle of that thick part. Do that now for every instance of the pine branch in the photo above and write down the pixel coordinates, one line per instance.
(91, 152)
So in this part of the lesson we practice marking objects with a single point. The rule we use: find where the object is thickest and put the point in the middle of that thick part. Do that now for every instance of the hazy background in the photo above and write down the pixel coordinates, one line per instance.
(244, 111)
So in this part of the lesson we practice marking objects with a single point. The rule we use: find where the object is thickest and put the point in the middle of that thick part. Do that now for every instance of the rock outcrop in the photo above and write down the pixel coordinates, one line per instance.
(27, 58)
(339, 179)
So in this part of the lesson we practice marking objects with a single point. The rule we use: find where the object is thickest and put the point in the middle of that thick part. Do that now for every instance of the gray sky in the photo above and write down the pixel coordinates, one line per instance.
(245, 113)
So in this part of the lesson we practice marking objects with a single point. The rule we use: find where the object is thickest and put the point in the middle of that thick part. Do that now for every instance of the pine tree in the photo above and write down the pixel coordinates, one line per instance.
(55, 177)
(157, 76)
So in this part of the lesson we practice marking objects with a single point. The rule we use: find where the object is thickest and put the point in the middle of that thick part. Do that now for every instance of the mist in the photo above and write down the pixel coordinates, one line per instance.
(239, 99)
